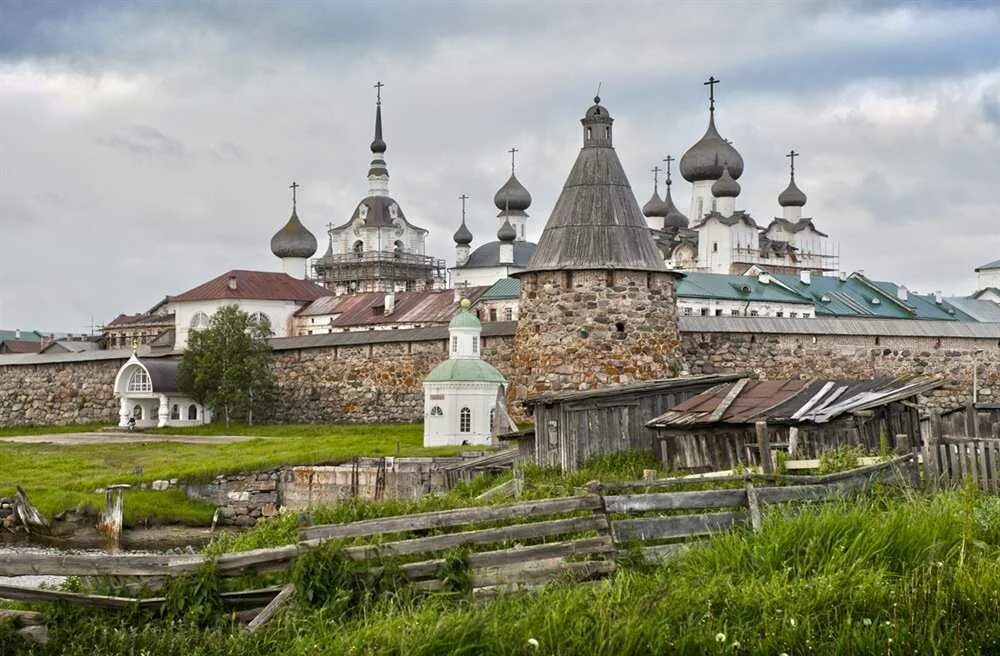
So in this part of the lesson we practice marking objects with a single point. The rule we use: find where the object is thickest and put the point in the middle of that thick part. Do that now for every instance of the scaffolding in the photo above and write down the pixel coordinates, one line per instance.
(793, 259)
(379, 271)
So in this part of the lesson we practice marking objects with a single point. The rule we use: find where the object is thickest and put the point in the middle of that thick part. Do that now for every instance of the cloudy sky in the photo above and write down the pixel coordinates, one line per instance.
(147, 147)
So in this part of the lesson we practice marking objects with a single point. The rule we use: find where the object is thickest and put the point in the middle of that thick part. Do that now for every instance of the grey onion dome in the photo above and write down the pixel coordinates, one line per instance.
(506, 231)
(293, 240)
(463, 237)
(655, 207)
(726, 186)
(512, 195)
(703, 161)
(673, 217)
(792, 196)
(378, 144)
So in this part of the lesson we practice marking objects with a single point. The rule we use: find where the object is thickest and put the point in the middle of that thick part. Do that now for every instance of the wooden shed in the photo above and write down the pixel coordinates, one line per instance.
(573, 427)
(735, 422)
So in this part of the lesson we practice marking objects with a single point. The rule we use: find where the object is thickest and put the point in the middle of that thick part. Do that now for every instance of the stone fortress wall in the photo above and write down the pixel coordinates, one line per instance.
(376, 377)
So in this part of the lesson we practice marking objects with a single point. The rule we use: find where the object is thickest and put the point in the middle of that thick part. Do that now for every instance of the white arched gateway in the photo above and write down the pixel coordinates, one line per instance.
(147, 391)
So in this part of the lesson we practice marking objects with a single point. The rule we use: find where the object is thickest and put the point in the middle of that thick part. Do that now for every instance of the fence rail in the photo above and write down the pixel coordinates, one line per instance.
(577, 537)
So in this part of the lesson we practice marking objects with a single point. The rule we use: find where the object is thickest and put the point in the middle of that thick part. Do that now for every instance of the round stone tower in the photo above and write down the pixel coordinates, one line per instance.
(598, 306)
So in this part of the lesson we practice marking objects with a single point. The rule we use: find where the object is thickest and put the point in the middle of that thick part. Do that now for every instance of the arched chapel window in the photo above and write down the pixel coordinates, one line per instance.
(139, 382)
(465, 421)
(192, 412)
(175, 412)
(436, 411)
(199, 320)
(259, 319)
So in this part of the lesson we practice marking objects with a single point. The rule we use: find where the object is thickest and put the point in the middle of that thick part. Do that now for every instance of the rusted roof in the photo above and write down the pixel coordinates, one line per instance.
(20, 346)
(788, 401)
(642, 387)
(143, 319)
(254, 285)
(368, 309)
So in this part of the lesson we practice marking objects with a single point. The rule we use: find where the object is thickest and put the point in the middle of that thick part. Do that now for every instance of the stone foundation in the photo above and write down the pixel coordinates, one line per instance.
(586, 329)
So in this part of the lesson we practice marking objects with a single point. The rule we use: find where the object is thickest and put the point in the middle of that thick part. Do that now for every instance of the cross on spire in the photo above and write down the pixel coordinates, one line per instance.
(711, 92)
(463, 198)
(656, 176)
(512, 151)
(294, 187)
(378, 91)
(791, 156)
(668, 159)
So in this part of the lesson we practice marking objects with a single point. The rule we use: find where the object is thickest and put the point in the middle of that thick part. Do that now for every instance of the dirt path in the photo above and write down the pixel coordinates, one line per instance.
(72, 439)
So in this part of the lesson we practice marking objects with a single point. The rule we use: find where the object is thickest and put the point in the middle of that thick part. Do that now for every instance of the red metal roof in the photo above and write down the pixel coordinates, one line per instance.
(141, 320)
(20, 346)
(425, 307)
(254, 285)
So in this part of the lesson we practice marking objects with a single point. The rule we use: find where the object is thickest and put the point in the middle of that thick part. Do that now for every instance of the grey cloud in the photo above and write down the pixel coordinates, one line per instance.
(146, 141)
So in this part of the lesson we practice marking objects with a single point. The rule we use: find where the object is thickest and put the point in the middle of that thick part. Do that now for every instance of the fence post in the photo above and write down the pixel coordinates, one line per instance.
(932, 461)
(753, 502)
(595, 488)
(793, 442)
(764, 447)
(110, 524)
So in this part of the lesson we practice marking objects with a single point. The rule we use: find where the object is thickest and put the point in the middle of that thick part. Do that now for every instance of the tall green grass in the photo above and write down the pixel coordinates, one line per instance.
(880, 575)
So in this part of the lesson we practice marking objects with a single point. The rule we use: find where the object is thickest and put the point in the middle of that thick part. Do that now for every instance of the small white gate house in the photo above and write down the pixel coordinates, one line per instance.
(147, 392)
(460, 394)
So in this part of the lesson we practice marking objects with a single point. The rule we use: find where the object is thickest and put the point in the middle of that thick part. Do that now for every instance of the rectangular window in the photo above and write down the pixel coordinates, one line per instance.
(475, 344)
(718, 313)
(493, 314)
(715, 247)
(779, 313)
(687, 311)
(704, 312)
(753, 313)
(508, 314)
(454, 344)
(793, 315)
(734, 313)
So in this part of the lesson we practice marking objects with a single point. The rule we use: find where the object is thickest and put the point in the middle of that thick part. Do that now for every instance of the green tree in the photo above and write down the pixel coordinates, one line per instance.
(227, 366)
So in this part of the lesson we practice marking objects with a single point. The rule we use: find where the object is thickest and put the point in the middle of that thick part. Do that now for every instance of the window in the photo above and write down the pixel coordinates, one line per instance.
(137, 412)
(715, 247)
(493, 416)
(175, 412)
(359, 247)
(475, 344)
(734, 313)
(199, 320)
(718, 312)
(793, 315)
(139, 382)
(493, 314)
(686, 311)
(259, 319)
(779, 313)
(754, 313)
(436, 411)
(454, 344)
(620, 327)
(508, 314)
(703, 312)
(465, 421)
(588, 133)
(192, 412)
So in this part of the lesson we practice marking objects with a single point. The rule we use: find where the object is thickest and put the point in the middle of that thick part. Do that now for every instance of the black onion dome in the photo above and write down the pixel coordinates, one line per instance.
(726, 186)
(792, 196)
(463, 237)
(506, 232)
(673, 218)
(704, 160)
(655, 207)
(512, 195)
(293, 240)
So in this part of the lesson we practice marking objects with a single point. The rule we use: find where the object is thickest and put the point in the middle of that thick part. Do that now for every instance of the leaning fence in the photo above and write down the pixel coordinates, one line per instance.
(508, 546)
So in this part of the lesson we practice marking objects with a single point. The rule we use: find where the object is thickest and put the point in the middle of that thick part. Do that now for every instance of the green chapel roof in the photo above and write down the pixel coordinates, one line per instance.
(465, 370)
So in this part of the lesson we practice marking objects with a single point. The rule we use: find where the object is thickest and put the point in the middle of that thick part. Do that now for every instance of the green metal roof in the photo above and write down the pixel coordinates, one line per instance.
(26, 335)
(465, 319)
(735, 288)
(505, 288)
(468, 370)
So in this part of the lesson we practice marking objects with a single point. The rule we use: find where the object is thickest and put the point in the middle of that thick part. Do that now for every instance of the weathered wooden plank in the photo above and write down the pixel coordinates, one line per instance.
(816, 492)
(31, 519)
(540, 571)
(21, 617)
(15, 593)
(690, 500)
(29, 563)
(580, 547)
(456, 517)
(680, 526)
(259, 560)
(272, 608)
(661, 552)
(764, 447)
(434, 543)
(727, 401)
(753, 503)
(984, 472)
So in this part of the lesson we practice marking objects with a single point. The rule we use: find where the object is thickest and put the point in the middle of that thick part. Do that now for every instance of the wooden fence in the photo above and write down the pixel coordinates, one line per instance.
(577, 537)
(951, 459)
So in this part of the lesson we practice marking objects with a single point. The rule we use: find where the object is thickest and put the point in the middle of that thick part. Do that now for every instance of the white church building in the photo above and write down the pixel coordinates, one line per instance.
(146, 389)
(461, 393)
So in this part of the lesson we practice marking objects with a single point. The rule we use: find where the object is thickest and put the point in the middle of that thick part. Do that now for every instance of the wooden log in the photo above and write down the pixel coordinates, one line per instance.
(681, 526)
(541, 571)
(32, 520)
(110, 522)
(690, 500)
(15, 593)
(932, 459)
(21, 618)
(753, 503)
(38, 634)
(727, 401)
(764, 447)
(272, 608)
(28, 563)
(793, 441)
(502, 490)
(447, 518)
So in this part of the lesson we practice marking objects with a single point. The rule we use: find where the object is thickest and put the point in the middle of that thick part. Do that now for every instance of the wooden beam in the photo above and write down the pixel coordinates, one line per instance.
(764, 447)
(272, 608)
(727, 401)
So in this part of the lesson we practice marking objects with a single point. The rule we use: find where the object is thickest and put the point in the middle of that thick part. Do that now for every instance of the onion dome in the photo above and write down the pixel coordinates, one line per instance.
(293, 240)
(792, 196)
(704, 160)
(506, 232)
(655, 207)
(673, 217)
(463, 237)
(512, 195)
(726, 186)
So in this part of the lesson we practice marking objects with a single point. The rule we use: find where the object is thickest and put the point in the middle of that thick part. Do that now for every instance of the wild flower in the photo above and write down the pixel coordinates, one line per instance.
(720, 637)
(533, 643)
(866, 621)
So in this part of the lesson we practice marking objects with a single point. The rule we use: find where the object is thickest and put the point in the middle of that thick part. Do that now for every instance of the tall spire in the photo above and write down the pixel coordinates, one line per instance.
(378, 172)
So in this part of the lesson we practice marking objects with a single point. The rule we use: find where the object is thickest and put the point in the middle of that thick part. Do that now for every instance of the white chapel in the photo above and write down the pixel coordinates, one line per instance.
(460, 394)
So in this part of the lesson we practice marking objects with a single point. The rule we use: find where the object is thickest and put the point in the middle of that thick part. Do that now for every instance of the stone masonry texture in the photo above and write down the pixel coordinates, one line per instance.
(587, 329)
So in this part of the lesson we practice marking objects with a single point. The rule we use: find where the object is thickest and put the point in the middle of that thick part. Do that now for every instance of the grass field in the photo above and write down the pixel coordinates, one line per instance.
(61, 477)
(879, 575)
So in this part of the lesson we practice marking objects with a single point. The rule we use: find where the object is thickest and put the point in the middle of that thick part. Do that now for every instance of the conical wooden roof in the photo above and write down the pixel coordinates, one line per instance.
(596, 223)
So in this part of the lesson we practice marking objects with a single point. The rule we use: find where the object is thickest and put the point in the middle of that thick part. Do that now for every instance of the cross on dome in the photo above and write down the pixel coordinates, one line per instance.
(712, 81)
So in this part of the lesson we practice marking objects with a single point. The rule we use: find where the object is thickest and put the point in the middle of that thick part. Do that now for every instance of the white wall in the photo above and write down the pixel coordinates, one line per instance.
(451, 397)
(481, 276)
(727, 308)
(280, 313)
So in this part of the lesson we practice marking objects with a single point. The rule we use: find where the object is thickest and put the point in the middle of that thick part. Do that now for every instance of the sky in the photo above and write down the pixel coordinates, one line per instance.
(148, 147)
